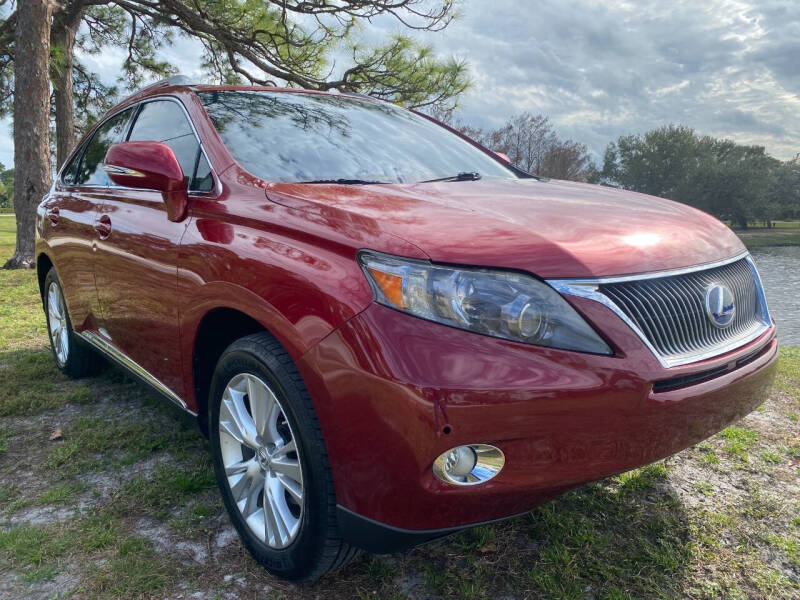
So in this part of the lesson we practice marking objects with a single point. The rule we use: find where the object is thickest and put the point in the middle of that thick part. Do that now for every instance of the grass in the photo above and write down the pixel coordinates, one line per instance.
(783, 233)
(92, 443)
(124, 505)
(135, 570)
(739, 441)
(167, 487)
(32, 383)
(61, 494)
(776, 226)
(20, 315)
(6, 435)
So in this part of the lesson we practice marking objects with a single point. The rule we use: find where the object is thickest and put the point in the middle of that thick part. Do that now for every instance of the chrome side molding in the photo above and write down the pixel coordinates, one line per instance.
(131, 365)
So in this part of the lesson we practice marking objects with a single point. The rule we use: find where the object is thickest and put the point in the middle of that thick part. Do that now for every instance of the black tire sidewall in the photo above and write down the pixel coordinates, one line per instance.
(298, 559)
(67, 367)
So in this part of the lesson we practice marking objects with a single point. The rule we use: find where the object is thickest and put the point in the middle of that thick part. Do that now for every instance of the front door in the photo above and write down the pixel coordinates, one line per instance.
(72, 212)
(137, 257)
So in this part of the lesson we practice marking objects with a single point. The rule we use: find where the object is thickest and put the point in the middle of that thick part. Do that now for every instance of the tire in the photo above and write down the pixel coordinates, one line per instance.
(296, 538)
(73, 356)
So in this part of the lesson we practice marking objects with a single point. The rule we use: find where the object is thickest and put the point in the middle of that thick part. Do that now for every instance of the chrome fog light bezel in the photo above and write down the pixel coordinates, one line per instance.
(489, 461)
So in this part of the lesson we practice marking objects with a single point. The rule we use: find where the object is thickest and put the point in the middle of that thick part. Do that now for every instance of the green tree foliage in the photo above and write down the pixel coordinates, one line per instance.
(86, 27)
(6, 186)
(7, 24)
(109, 26)
(731, 181)
(273, 42)
(532, 145)
(784, 191)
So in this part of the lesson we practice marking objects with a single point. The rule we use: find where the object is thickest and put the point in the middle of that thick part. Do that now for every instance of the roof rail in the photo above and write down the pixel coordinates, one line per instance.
(174, 80)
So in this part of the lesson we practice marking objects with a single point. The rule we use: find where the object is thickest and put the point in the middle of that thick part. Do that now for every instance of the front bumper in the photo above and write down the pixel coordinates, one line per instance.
(392, 392)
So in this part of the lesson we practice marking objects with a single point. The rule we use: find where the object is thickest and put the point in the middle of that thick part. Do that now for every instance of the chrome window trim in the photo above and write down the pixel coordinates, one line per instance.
(589, 288)
(136, 106)
(81, 148)
(217, 189)
(126, 361)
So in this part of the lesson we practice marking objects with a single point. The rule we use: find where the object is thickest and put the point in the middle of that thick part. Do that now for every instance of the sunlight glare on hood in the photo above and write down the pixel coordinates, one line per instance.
(642, 240)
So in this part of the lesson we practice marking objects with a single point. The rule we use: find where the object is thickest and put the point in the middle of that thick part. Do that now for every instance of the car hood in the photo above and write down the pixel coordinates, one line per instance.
(554, 229)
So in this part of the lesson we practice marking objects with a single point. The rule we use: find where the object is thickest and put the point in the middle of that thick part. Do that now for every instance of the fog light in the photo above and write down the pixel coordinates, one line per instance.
(469, 465)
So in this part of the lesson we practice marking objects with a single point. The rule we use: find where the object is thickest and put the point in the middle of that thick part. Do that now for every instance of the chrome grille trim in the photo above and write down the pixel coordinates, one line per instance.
(665, 309)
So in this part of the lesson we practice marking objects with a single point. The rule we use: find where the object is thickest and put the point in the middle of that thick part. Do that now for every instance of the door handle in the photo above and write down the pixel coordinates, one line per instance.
(52, 214)
(103, 227)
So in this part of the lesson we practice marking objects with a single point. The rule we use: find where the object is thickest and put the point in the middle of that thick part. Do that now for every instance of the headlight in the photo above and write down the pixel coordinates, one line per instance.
(501, 304)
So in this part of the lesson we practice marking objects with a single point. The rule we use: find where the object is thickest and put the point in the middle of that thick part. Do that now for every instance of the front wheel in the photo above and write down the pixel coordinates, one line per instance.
(270, 462)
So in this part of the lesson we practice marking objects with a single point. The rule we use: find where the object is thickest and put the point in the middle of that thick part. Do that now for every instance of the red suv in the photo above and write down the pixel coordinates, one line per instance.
(387, 331)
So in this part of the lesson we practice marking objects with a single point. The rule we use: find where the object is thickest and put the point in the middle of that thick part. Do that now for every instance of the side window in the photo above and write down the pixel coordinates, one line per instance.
(164, 121)
(71, 170)
(90, 171)
(203, 180)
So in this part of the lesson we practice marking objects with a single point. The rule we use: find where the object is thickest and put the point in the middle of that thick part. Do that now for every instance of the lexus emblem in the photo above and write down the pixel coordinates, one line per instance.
(720, 306)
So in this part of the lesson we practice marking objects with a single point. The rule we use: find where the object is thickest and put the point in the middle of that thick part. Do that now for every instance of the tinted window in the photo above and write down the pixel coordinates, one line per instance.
(91, 171)
(306, 137)
(203, 180)
(164, 121)
(69, 172)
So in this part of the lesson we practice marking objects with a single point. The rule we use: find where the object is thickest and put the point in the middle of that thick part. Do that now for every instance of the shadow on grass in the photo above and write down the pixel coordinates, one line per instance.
(626, 537)
(31, 383)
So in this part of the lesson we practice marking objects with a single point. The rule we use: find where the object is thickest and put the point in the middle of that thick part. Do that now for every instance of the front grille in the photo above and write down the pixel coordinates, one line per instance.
(676, 383)
(670, 311)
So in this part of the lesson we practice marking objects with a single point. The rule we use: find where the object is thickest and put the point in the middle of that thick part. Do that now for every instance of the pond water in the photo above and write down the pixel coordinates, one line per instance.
(780, 271)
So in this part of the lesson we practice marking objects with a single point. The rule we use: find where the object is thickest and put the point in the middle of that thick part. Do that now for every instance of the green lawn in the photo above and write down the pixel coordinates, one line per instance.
(782, 233)
(780, 225)
(123, 505)
(8, 235)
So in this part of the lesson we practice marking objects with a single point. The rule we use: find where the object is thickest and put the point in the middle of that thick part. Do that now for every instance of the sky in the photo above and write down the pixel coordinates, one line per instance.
(605, 68)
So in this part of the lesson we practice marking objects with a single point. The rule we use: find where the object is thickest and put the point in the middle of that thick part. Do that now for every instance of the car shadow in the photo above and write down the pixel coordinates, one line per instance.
(622, 537)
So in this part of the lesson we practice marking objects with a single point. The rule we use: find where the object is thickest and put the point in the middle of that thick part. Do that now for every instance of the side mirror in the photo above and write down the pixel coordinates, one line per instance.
(503, 156)
(149, 166)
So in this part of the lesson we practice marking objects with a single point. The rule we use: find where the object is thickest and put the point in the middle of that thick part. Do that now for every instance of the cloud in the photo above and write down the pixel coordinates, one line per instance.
(601, 69)
(728, 68)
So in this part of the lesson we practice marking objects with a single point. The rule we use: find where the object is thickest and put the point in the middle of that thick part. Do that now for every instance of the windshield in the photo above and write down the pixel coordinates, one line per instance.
(293, 137)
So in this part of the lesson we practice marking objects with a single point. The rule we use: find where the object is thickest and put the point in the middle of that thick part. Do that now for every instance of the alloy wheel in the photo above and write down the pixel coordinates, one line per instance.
(57, 322)
(261, 457)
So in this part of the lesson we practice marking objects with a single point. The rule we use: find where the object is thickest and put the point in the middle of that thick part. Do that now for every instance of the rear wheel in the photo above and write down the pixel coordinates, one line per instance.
(270, 462)
(72, 355)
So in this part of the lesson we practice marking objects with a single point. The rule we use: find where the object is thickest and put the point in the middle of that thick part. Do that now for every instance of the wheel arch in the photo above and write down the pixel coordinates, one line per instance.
(43, 266)
(216, 330)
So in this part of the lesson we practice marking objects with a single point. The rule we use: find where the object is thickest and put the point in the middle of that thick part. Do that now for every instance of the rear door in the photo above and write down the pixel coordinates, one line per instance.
(72, 212)
(136, 266)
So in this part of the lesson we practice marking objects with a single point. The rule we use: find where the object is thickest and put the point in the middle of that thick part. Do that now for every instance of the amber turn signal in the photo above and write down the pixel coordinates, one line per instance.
(390, 284)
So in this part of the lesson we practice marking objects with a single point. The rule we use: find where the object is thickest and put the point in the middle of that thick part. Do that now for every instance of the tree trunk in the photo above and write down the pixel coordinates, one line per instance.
(62, 34)
(32, 170)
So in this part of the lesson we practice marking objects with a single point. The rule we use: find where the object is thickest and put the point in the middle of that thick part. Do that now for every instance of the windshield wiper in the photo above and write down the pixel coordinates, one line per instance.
(342, 181)
(464, 176)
